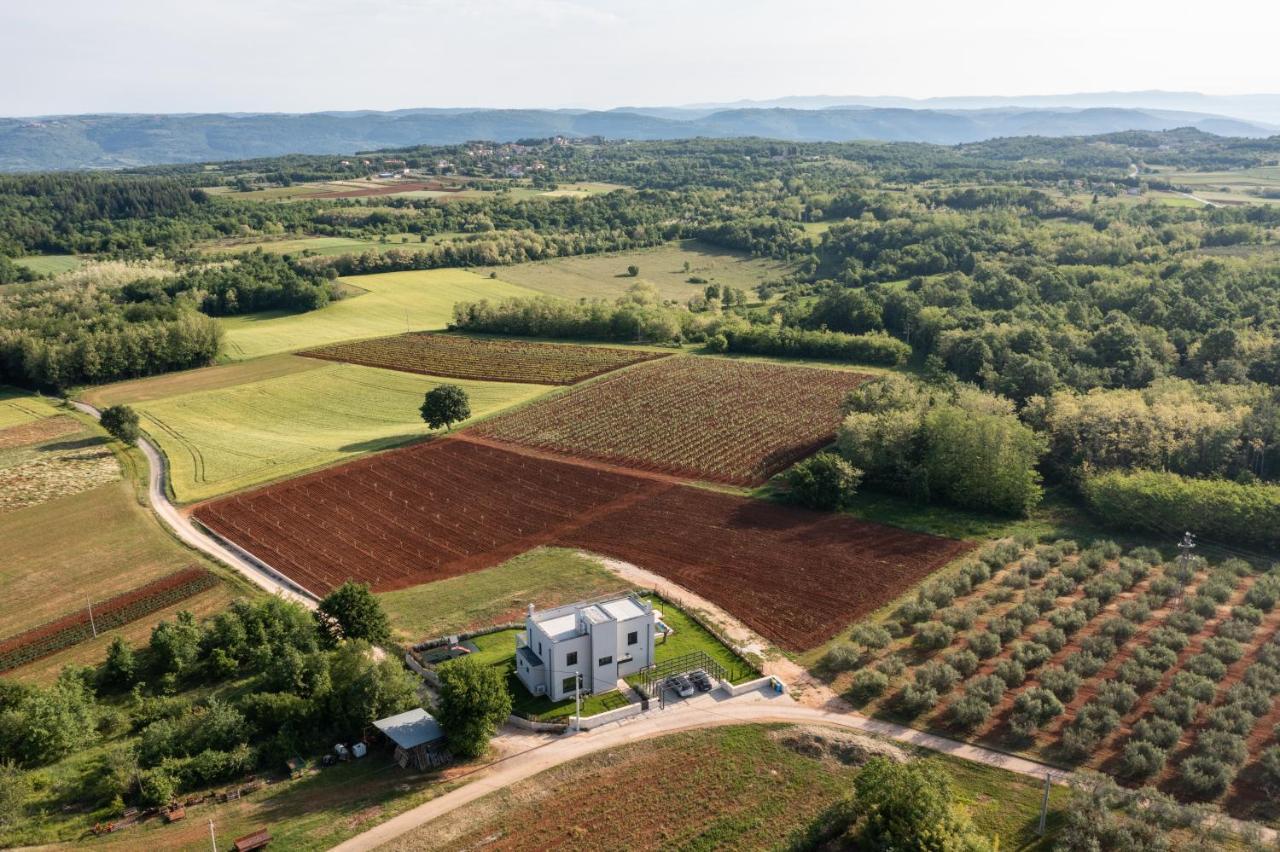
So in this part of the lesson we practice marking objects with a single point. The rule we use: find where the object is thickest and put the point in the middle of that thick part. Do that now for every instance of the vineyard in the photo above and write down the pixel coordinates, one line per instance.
(50, 638)
(705, 418)
(1158, 673)
(451, 506)
(458, 357)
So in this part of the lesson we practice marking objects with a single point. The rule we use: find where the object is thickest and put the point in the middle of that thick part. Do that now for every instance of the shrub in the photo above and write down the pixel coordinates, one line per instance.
(1015, 581)
(1136, 611)
(1032, 709)
(976, 572)
(958, 618)
(937, 676)
(984, 643)
(1051, 637)
(1265, 679)
(1068, 620)
(867, 684)
(1101, 646)
(970, 711)
(1162, 733)
(1102, 588)
(1149, 555)
(1264, 593)
(156, 788)
(1049, 553)
(932, 636)
(1185, 622)
(841, 658)
(824, 481)
(1177, 708)
(1226, 650)
(1202, 605)
(1256, 701)
(1224, 746)
(915, 699)
(1023, 613)
(1269, 762)
(1140, 677)
(1232, 718)
(1060, 682)
(964, 661)
(891, 666)
(918, 610)
(1155, 656)
(789, 342)
(1034, 567)
(1117, 629)
(1041, 600)
(1120, 697)
(1205, 775)
(1194, 686)
(1067, 546)
(1141, 759)
(1010, 671)
(939, 594)
(1208, 666)
(1167, 637)
(988, 689)
(1164, 587)
(1031, 655)
(1058, 585)
(1083, 664)
(1236, 630)
(871, 636)
(1247, 614)
(1088, 606)
(1245, 514)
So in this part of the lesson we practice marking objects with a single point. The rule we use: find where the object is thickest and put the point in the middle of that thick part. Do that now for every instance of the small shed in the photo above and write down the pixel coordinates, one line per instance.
(418, 738)
(250, 842)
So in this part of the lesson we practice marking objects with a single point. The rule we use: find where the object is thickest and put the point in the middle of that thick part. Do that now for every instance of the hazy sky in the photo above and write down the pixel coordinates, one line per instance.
(61, 56)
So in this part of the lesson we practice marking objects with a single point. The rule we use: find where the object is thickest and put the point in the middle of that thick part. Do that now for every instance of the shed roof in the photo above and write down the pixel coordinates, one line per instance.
(411, 728)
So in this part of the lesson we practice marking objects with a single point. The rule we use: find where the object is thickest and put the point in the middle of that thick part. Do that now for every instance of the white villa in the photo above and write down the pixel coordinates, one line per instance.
(601, 640)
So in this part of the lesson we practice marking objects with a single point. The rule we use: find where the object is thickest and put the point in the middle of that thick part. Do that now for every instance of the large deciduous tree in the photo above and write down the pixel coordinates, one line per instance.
(444, 406)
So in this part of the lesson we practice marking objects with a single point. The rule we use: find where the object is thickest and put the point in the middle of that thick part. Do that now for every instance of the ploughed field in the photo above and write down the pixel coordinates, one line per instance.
(714, 419)
(488, 359)
(456, 505)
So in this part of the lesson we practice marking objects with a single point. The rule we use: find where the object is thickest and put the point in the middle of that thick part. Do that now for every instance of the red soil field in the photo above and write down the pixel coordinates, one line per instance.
(452, 506)
(486, 359)
(720, 420)
(381, 189)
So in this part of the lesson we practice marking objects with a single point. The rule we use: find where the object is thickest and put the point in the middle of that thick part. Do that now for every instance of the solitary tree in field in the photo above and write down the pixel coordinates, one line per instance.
(633, 270)
(122, 422)
(823, 481)
(444, 406)
(474, 701)
(357, 613)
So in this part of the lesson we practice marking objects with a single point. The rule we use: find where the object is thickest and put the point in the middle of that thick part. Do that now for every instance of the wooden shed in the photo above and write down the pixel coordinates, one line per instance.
(417, 736)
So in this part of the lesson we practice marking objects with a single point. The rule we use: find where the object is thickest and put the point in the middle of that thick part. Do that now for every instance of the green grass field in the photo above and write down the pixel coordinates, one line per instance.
(18, 407)
(50, 264)
(546, 577)
(228, 438)
(605, 275)
(737, 787)
(393, 302)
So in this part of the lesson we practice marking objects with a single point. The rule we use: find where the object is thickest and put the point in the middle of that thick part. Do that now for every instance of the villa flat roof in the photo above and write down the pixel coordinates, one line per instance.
(622, 609)
(561, 627)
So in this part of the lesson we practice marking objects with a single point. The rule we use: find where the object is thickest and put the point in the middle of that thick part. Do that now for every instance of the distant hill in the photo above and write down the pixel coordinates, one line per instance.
(115, 141)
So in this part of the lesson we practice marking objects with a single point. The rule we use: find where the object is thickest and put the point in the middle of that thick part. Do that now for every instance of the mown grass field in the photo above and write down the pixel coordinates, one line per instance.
(228, 438)
(546, 577)
(392, 303)
(736, 787)
(50, 264)
(18, 407)
(95, 544)
(605, 276)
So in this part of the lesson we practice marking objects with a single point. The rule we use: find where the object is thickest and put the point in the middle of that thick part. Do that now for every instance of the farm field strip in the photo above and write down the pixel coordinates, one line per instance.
(393, 302)
(1164, 674)
(18, 407)
(35, 473)
(487, 359)
(292, 421)
(734, 422)
(38, 431)
(452, 506)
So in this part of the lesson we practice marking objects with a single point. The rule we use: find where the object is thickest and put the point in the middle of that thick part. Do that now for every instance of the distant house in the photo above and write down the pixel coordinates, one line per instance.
(417, 736)
(602, 641)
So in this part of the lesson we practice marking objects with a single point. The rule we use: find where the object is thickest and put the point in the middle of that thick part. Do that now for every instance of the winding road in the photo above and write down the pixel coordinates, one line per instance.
(256, 571)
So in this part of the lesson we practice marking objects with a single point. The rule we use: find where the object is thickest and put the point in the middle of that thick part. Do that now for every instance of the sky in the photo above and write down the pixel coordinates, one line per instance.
(76, 56)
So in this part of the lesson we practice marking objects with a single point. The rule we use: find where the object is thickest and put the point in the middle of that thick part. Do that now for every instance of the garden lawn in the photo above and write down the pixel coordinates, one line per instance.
(228, 438)
(50, 264)
(394, 302)
(604, 276)
(546, 577)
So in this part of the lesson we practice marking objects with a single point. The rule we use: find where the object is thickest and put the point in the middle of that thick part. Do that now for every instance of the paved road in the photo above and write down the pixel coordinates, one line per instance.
(192, 535)
(702, 712)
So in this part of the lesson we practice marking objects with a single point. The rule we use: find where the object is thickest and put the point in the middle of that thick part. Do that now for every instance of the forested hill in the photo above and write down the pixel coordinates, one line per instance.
(113, 141)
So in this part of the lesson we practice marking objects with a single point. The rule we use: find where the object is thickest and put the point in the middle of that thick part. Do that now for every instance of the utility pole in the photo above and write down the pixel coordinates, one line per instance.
(1044, 806)
(213, 838)
(577, 701)
(92, 623)
(1185, 547)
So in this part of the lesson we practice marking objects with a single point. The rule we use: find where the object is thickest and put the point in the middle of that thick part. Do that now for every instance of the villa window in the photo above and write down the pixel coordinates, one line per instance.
(633, 637)
(571, 658)
(604, 661)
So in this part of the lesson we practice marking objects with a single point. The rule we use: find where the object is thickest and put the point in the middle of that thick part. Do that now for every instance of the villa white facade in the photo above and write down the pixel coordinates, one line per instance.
(603, 641)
